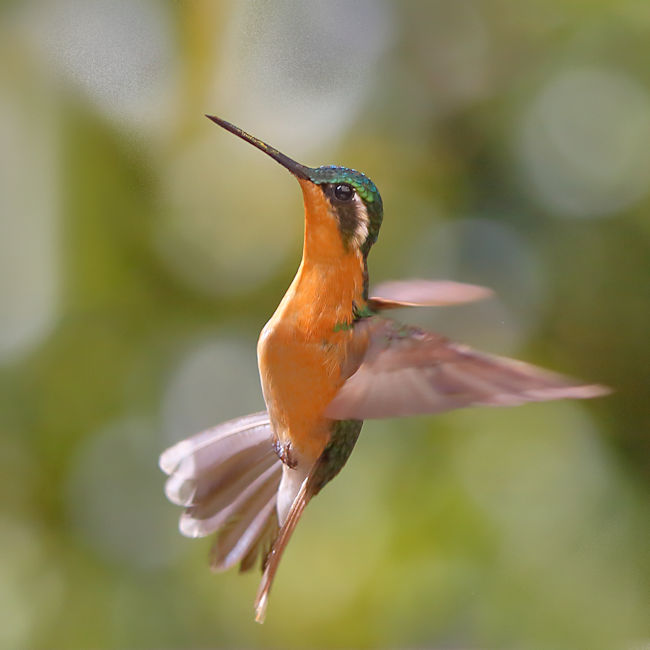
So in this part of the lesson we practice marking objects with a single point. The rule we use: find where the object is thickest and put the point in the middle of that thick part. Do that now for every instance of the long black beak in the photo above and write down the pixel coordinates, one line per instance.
(294, 167)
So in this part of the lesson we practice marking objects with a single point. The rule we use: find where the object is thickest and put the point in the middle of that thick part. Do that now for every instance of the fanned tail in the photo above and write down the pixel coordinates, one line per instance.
(227, 478)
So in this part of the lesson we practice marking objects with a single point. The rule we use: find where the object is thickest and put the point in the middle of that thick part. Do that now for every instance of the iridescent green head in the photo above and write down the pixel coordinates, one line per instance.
(354, 198)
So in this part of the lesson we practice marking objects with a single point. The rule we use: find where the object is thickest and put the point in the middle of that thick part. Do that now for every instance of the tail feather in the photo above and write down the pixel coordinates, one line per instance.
(199, 521)
(196, 482)
(272, 560)
(214, 459)
(228, 489)
(262, 546)
(238, 538)
(227, 477)
(202, 448)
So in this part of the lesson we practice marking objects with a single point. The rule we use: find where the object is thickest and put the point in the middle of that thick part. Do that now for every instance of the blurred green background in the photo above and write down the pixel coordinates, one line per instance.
(142, 249)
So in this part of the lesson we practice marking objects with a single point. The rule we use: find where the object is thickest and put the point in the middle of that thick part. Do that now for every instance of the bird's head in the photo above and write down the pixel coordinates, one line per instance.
(339, 194)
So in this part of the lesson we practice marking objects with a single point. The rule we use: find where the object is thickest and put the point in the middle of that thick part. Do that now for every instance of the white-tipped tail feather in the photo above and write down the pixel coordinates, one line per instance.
(227, 478)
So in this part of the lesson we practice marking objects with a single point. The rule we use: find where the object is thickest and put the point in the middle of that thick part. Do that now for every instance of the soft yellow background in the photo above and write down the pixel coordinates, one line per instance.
(142, 249)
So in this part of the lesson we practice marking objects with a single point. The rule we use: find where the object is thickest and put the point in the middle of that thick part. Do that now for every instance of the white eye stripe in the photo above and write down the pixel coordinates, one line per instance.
(345, 210)
(363, 221)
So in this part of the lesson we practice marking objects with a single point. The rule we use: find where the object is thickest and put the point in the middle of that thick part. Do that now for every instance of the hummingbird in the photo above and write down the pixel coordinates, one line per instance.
(328, 360)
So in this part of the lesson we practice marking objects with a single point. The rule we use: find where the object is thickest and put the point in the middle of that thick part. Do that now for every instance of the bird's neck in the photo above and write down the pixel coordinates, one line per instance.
(323, 295)
(332, 277)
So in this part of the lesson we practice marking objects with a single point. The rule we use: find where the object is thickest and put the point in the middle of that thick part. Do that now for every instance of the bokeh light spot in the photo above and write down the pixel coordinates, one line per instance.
(114, 496)
(120, 53)
(584, 142)
(302, 71)
(215, 380)
(29, 211)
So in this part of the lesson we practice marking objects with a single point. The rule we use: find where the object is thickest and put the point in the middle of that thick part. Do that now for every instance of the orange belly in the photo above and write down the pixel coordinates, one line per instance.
(305, 352)
(299, 379)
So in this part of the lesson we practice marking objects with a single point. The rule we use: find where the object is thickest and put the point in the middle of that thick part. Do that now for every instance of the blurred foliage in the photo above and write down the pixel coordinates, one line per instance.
(142, 250)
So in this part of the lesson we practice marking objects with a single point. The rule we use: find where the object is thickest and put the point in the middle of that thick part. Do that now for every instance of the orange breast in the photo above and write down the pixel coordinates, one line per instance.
(303, 348)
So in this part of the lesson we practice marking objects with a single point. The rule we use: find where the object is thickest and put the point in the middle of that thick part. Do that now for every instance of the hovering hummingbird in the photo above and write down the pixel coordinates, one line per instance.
(327, 361)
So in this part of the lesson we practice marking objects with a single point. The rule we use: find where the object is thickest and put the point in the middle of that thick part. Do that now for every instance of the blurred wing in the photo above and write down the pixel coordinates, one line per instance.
(408, 371)
(424, 293)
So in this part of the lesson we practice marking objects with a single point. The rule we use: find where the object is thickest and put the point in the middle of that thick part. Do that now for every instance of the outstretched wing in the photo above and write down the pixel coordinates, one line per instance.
(424, 293)
(408, 371)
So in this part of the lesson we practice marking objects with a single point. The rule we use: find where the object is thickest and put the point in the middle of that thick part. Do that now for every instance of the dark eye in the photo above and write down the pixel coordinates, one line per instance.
(343, 192)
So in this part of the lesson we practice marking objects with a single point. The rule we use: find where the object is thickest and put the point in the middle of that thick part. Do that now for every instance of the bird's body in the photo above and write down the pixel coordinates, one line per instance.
(302, 358)
(305, 347)
(327, 361)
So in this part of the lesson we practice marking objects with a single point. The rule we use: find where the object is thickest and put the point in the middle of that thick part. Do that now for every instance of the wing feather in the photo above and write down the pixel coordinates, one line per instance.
(408, 371)
(424, 293)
